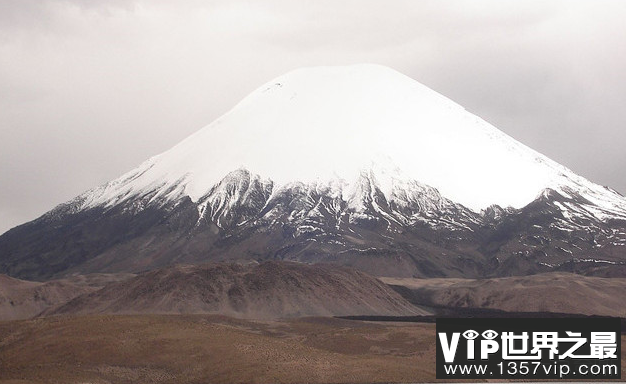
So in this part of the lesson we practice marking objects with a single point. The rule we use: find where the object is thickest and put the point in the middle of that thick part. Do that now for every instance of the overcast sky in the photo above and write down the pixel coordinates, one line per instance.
(91, 88)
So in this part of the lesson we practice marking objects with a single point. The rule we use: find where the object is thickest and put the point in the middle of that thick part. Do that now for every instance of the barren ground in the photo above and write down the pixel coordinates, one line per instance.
(216, 349)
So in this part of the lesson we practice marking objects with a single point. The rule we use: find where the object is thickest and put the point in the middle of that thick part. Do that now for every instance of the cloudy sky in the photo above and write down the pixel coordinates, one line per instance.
(91, 88)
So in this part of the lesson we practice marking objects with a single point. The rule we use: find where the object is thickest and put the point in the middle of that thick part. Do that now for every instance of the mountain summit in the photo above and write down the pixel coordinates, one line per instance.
(356, 165)
(329, 124)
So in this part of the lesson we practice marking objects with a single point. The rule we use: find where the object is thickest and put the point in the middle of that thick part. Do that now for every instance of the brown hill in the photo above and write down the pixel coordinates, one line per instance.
(21, 299)
(267, 290)
(548, 292)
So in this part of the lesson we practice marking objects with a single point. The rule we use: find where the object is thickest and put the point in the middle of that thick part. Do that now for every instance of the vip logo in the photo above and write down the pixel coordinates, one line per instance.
(488, 344)
(497, 348)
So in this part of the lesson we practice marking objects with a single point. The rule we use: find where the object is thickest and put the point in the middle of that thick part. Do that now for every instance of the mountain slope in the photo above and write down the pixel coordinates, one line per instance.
(21, 299)
(547, 292)
(356, 165)
(268, 290)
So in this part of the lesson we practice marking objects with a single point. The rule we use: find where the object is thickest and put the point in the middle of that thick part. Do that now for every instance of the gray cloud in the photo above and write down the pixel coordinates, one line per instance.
(90, 89)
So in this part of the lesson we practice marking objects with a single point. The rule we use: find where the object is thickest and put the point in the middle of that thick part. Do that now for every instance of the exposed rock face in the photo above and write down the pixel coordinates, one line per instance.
(418, 233)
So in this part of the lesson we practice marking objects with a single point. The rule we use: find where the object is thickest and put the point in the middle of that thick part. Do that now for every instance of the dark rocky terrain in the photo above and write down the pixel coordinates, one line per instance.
(425, 236)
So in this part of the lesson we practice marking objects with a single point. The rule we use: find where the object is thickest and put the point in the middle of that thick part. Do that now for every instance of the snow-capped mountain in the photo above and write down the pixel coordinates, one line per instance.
(327, 125)
(357, 165)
